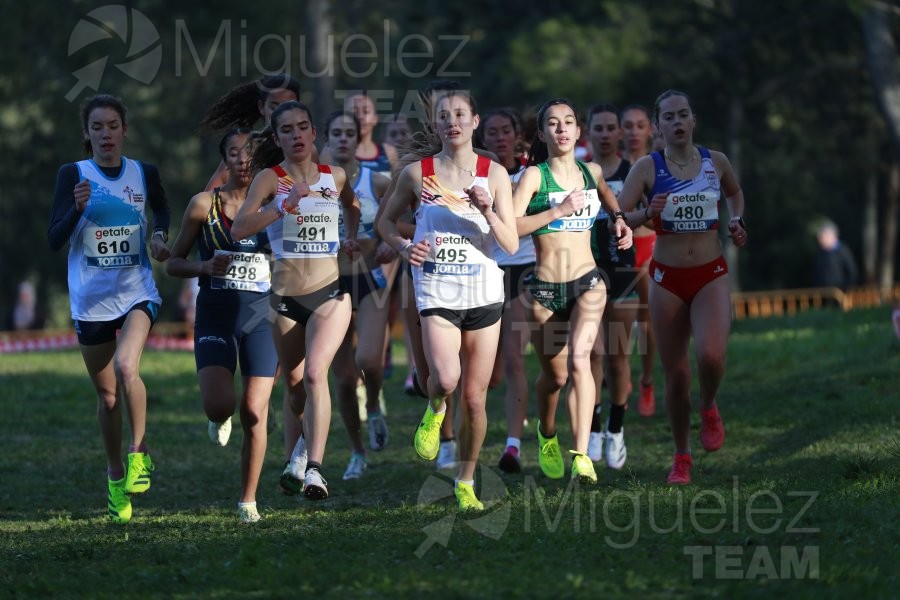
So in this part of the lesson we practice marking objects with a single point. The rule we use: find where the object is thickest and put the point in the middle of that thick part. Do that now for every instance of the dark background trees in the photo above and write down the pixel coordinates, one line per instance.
(802, 96)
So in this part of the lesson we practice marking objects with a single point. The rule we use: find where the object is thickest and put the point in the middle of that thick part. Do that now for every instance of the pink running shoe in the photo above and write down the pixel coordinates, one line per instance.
(510, 461)
(647, 402)
(681, 470)
(712, 431)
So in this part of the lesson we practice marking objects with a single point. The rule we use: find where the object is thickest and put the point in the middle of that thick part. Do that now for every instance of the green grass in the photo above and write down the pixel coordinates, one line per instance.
(811, 409)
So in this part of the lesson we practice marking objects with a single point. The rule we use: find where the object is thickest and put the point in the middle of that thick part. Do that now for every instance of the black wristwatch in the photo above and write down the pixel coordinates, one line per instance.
(163, 234)
(619, 214)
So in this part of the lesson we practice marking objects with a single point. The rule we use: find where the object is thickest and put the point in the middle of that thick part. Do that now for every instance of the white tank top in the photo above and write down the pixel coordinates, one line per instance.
(311, 231)
(109, 269)
(525, 254)
(460, 271)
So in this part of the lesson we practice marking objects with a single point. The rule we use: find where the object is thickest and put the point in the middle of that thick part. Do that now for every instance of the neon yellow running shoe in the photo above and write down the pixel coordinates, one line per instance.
(428, 434)
(118, 504)
(583, 468)
(549, 456)
(139, 468)
(465, 497)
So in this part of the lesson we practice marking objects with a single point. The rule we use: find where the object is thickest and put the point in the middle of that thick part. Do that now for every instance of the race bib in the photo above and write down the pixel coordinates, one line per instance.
(113, 247)
(450, 255)
(690, 212)
(248, 271)
(311, 233)
(581, 220)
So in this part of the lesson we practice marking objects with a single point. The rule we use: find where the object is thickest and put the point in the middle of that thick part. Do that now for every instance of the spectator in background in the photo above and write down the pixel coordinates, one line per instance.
(835, 265)
(25, 314)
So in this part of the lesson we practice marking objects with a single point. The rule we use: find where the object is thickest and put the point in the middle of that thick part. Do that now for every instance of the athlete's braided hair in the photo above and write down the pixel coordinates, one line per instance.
(240, 106)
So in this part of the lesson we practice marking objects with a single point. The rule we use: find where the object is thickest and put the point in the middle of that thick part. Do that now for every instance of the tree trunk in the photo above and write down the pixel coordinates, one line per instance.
(318, 14)
(734, 50)
(889, 234)
(870, 225)
(881, 57)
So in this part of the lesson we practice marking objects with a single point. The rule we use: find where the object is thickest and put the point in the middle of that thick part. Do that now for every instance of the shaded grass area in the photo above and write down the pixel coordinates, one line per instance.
(804, 499)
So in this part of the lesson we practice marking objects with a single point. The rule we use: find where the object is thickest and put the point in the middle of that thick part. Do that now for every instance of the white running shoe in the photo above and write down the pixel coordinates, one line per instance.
(248, 513)
(446, 458)
(378, 432)
(356, 467)
(219, 432)
(298, 459)
(595, 446)
(615, 449)
(314, 485)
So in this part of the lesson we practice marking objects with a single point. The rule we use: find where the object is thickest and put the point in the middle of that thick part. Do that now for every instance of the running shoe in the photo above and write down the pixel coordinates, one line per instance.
(583, 468)
(595, 446)
(466, 499)
(288, 483)
(549, 456)
(378, 432)
(616, 453)
(647, 401)
(681, 470)
(118, 504)
(298, 458)
(510, 461)
(247, 513)
(139, 468)
(314, 485)
(446, 458)
(428, 434)
(219, 432)
(712, 430)
(355, 467)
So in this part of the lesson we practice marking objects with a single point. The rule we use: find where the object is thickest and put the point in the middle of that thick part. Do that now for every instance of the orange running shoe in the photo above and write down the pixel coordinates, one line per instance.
(681, 470)
(647, 402)
(712, 431)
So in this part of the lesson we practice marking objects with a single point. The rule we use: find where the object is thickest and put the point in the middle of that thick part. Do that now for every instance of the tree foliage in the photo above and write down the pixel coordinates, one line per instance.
(785, 83)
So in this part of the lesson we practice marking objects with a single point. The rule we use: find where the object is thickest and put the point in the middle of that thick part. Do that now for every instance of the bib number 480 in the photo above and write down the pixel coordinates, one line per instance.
(689, 212)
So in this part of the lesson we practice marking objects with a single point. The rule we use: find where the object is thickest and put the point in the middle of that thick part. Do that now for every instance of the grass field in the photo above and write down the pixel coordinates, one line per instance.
(803, 500)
